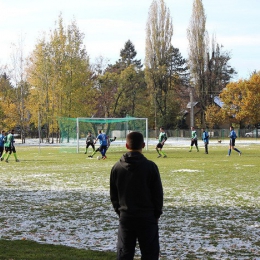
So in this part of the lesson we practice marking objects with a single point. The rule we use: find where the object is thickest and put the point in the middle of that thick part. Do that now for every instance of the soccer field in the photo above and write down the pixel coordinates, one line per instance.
(211, 202)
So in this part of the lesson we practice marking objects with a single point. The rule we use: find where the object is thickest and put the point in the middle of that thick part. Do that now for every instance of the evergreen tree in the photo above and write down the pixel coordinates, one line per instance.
(127, 54)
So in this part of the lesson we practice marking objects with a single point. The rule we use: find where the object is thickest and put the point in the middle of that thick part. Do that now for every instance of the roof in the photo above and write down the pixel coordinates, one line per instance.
(218, 101)
(194, 104)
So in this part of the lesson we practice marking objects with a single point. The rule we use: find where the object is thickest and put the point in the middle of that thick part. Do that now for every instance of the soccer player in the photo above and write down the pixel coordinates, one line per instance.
(162, 139)
(232, 136)
(2, 142)
(205, 139)
(136, 194)
(110, 140)
(103, 144)
(90, 142)
(9, 147)
(194, 139)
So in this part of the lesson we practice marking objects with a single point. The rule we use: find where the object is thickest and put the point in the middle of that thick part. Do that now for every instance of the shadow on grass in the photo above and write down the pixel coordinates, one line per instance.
(29, 250)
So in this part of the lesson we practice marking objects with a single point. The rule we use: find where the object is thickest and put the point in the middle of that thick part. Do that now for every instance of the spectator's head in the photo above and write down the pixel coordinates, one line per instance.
(135, 141)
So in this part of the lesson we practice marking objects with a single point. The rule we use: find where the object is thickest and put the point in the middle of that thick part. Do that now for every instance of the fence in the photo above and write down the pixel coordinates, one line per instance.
(213, 133)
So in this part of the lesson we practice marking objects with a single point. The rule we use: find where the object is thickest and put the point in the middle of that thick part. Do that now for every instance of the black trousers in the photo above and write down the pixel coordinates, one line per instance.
(143, 229)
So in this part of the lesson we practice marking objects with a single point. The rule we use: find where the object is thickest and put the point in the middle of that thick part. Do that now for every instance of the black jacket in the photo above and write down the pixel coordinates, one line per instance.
(135, 186)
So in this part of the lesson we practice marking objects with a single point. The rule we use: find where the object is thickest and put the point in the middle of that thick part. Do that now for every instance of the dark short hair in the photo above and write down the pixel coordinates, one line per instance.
(135, 140)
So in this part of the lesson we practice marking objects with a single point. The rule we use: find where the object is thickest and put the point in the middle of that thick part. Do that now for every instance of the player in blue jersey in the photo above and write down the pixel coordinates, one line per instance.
(2, 142)
(205, 139)
(102, 137)
(232, 136)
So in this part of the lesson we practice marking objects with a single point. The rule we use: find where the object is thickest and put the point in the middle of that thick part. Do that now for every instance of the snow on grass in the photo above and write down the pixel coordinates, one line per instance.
(85, 219)
(43, 204)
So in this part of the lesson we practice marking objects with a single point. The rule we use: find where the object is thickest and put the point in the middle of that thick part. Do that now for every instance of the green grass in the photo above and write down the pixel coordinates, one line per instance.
(210, 202)
(29, 250)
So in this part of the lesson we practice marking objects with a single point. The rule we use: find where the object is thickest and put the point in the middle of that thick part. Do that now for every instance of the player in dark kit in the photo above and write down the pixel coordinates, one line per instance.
(90, 142)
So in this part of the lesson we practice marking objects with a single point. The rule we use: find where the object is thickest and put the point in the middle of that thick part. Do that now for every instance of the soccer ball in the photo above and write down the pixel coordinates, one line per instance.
(99, 157)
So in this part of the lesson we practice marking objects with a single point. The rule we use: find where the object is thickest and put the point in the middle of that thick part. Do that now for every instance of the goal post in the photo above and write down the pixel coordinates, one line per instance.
(74, 130)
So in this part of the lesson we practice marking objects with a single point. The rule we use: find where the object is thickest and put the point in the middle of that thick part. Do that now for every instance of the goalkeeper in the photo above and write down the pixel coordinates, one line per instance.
(90, 142)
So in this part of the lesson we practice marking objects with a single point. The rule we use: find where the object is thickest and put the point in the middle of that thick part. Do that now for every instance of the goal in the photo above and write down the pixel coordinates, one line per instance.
(75, 130)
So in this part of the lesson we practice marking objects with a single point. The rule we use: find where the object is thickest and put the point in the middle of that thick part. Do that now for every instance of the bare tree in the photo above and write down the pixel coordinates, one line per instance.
(209, 68)
(159, 31)
(18, 77)
(198, 38)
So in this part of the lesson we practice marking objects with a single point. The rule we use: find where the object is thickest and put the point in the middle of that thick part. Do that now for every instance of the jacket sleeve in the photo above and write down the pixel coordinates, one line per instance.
(114, 192)
(157, 192)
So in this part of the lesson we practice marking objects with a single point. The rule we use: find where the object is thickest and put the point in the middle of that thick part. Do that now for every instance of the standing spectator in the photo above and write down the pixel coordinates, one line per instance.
(9, 147)
(136, 194)
(205, 139)
(90, 142)
(194, 139)
(162, 139)
(232, 136)
(2, 142)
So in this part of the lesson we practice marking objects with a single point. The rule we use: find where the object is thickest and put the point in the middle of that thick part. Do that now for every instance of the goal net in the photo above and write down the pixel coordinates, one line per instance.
(73, 131)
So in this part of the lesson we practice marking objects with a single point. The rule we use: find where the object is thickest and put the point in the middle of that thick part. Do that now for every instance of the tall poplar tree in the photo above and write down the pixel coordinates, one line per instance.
(208, 63)
(164, 66)
(159, 31)
(198, 42)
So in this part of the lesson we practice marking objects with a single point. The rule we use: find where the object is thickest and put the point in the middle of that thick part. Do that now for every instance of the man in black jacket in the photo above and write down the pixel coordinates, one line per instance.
(137, 196)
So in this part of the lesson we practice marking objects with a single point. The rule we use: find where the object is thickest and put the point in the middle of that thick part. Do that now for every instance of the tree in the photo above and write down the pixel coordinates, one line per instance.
(121, 86)
(127, 54)
(21, 87)
(166, 72)
(241, 101)
(60, 78)
(213, 116)
(210, 71)
(159, 31)
(251, 100)
(8, 112)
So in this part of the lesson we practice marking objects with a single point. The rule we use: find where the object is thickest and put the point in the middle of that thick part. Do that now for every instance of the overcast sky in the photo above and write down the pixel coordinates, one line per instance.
(108, 24)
